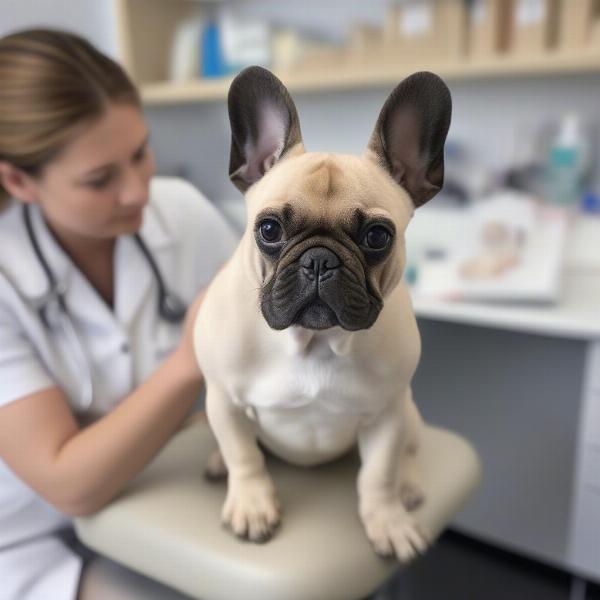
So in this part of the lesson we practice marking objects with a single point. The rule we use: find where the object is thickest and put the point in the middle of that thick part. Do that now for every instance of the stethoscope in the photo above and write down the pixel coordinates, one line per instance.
(53, 310)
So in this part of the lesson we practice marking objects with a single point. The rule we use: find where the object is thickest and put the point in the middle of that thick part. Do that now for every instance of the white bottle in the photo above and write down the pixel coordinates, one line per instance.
(184, 59)
(565, 163)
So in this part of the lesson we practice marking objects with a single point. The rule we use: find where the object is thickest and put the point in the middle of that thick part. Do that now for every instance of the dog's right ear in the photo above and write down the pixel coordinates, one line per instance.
(264, 125)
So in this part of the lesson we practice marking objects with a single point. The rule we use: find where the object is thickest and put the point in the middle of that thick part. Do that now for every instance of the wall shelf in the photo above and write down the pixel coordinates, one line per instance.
(147, 29)
(373, 76)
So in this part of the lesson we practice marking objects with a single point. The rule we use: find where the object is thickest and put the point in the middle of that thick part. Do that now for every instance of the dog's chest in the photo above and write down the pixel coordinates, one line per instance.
(308, 404)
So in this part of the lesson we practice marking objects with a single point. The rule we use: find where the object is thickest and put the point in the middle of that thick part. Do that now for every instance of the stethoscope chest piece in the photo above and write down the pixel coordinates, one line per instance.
(172, 309)
(51, 306)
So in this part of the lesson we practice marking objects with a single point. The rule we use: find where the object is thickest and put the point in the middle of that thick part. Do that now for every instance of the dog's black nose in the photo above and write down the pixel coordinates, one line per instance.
(319, 261)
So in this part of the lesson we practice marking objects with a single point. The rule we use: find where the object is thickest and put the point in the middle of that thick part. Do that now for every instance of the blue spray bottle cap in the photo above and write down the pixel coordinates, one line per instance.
(590, 203)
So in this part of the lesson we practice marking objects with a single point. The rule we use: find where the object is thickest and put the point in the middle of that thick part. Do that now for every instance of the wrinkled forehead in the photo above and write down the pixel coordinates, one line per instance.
(330, 188)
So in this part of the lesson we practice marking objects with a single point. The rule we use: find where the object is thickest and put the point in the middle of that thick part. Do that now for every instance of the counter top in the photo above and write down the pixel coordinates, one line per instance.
(576, 315)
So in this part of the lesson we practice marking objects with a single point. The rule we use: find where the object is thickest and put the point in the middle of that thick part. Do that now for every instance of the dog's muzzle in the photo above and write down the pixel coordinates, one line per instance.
(318, 291)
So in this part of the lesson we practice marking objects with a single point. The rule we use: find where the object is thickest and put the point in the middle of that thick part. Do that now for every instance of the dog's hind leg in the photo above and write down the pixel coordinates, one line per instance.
(411, 486)
(215, 469)
(388, 525)
(409, 473)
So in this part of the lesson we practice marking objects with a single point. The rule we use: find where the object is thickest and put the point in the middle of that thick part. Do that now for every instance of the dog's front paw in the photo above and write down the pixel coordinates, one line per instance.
(251, 509)
(392, 531)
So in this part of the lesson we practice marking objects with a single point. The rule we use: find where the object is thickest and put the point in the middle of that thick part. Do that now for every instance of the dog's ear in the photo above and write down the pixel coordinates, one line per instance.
(264, 125)
(408, 139)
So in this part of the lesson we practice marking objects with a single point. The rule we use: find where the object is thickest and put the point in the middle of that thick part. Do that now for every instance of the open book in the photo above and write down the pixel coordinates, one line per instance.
(511, 251)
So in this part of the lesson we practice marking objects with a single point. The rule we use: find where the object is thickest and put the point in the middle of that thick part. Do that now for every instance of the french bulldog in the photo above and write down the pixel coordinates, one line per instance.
(306, 337)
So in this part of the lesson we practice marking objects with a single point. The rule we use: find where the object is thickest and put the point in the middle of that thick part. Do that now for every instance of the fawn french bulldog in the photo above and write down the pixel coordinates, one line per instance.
(307, 338)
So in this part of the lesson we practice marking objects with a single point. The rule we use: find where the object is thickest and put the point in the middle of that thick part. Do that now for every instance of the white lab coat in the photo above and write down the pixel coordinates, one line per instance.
(189, 240)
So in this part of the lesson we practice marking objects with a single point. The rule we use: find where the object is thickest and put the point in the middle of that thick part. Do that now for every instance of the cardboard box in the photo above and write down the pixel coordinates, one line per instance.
(576, 20)
(322, 58)
(420, 30)
(592, 30)
(365, 43)
(451, 28)
(534, 26)
(593, 41)
(409, 31)
(488, 28)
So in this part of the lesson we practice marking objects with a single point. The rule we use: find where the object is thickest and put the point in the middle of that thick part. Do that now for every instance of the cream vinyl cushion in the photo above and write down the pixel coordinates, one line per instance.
(167, 524)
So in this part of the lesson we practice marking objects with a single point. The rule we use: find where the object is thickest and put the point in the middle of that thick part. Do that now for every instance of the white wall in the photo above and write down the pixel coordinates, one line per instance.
(91, 18)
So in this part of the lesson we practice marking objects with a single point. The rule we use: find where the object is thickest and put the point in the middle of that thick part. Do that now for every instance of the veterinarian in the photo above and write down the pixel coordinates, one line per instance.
(99, 263)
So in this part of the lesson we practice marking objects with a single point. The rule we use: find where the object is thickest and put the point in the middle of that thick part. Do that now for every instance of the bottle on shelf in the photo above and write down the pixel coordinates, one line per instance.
(566, 163)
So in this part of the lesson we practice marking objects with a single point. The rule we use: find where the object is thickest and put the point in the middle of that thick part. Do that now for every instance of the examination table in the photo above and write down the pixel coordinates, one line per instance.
(166, 524)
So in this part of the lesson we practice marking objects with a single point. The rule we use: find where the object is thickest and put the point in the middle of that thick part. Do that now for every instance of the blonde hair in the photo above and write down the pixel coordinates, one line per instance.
(50, 83)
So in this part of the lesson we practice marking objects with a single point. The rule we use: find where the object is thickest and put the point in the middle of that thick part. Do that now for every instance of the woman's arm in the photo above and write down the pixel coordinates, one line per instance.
(80, 470)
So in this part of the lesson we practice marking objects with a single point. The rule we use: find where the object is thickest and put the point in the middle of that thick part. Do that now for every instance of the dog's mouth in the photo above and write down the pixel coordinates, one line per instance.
(314, 294)
(317, 315)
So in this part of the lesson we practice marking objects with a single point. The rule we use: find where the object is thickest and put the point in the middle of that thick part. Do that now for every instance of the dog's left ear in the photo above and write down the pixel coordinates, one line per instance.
(264, 125)
(408, 139)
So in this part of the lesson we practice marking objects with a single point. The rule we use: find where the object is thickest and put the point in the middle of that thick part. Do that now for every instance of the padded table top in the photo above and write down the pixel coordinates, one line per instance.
(167, 525)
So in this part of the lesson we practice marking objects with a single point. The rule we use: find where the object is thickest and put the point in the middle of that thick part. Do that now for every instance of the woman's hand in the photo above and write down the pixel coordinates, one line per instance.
(185, 351)
(79, 470)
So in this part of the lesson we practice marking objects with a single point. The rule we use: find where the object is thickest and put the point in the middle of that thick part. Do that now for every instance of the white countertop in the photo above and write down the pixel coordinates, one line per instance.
(577, 315)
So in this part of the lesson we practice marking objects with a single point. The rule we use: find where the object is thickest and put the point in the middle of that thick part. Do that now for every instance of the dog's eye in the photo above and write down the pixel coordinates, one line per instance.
(271, 231)
(377, 238)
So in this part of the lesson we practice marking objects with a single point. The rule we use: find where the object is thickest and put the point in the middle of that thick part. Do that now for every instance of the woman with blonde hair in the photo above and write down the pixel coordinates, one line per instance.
(98, 262)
